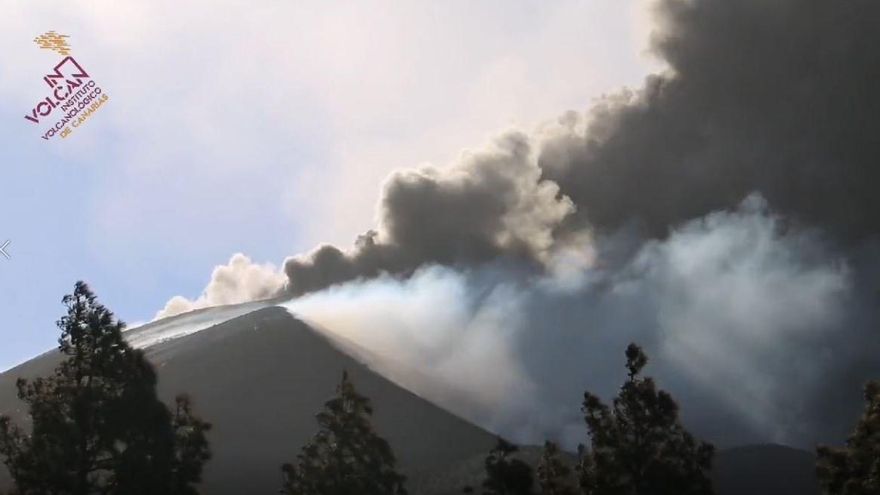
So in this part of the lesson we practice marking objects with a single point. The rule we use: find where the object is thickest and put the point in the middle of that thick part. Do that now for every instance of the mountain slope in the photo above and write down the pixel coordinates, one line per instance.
(260, 378)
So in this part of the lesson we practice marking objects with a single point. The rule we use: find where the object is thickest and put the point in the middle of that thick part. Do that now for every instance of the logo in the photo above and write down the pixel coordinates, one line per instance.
(71, 89)
(54, 41)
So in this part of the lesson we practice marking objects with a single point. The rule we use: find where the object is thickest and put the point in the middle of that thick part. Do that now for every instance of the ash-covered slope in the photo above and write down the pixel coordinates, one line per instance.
(260, 378)
(260, 375)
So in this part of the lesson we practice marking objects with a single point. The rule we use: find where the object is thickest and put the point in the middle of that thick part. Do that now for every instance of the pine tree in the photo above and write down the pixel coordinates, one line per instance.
(505, 474)
(191, 447)
(638, 445)
(346, 456)
(855, 468)
(554, 475)
(97, 426)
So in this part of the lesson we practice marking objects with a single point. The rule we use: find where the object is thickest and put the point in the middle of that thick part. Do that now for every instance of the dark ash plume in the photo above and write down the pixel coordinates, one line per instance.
(491, 204)
(777, 98)
(730, 205)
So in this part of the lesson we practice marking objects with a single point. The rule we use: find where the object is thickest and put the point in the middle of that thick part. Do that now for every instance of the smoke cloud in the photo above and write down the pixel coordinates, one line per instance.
(240, 280)
(743, 321)
(776, 99)
(490, 204)
(724, 215)
(769, 97)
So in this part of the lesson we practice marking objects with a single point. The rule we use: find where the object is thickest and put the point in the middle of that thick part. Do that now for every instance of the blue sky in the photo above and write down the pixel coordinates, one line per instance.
(262, 128)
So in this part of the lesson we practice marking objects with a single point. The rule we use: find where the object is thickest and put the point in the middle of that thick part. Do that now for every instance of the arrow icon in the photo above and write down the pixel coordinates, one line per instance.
(3, 248)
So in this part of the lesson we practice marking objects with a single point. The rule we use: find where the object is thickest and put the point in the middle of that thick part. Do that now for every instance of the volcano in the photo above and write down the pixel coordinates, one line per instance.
(260, 375)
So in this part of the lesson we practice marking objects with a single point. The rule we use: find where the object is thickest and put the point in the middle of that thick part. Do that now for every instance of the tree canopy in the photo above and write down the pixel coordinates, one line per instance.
(638, 445)
(346, 456)
(555, 477)
(96, 424)
(855, 468)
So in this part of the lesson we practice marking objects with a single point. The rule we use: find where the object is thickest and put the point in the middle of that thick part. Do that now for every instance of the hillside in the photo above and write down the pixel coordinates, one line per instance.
(260, 378)
(260, 375)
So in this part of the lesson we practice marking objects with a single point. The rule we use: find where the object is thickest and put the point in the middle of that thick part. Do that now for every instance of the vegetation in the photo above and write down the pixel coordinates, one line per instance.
(346, 456)
(638, 445)
(97, 426)
(554, 474)
(855, 468)
(505, 474)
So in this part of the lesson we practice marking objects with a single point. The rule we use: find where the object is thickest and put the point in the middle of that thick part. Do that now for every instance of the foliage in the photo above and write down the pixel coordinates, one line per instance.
(855, 468)
(505, 474)
(554, 475)
(638, 445)
(97, 426)
(346, 456)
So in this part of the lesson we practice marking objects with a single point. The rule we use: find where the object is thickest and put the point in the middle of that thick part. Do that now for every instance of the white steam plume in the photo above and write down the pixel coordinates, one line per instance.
(240, 280)
(728, 307)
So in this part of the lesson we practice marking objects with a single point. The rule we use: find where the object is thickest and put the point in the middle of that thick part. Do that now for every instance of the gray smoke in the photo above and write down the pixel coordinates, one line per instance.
(491, 204)
(724, 215)
(757, 330)
(775, 97)
(772, 97)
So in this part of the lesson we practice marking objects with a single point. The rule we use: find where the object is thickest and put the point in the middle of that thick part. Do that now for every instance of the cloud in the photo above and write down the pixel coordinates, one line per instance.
(723, 214)
(240, 280)
(735, 113)
(318, 96)
(741, 325)
(769, 98)
(491, 204)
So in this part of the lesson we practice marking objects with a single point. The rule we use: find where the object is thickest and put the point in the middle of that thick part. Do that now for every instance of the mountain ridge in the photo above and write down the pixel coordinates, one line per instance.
(260, 377)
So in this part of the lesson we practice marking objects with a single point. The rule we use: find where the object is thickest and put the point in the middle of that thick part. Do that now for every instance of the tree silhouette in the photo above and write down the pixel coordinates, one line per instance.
(97, 426)
(855, 468)
(638, 445)
(191, 447)
(554, 475)
(346, 456)
(505, 474)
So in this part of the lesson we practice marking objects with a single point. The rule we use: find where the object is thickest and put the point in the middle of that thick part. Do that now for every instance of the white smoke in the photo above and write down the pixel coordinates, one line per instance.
(630, 215)
(240, 280)
(725, 307)
(429, 328)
